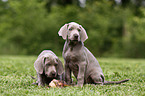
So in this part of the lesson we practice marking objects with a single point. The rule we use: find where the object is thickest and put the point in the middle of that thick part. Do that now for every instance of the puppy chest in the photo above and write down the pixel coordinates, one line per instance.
(72, 57)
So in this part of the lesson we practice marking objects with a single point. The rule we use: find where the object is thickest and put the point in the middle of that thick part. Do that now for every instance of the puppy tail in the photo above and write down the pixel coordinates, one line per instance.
(33, 77)
(35, 83)
(115, 82)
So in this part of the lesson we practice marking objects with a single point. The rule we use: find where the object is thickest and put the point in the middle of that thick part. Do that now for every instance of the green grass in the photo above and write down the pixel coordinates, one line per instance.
(15, 80)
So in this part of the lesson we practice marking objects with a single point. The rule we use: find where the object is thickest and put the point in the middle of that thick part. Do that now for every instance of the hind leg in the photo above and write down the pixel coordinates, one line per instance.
(98, 79)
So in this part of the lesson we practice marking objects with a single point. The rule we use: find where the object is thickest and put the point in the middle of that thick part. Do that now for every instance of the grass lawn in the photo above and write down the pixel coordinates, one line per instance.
(15, 80)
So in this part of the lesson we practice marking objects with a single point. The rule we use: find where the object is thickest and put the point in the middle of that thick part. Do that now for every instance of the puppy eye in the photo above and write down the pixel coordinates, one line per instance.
(70, 29)
(79, 30)
(47, 65)
(55, 64)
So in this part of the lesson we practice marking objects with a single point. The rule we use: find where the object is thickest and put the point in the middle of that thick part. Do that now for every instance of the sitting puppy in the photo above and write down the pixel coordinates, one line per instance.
(78, 59)
(48, 67)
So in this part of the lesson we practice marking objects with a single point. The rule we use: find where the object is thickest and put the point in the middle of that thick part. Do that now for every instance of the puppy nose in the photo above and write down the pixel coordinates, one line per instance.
(53, 73)
(76, 36)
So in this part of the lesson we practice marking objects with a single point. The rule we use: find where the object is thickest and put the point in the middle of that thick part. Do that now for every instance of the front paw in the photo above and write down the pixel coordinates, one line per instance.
(79, 85)
(41, 84)
(68, 82)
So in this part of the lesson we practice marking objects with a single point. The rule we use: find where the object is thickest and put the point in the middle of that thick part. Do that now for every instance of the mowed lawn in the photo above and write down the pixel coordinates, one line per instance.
(15, 80)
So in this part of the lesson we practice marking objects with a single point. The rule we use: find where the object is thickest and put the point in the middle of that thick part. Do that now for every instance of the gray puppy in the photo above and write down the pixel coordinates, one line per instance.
(48, 67)
(79, 59)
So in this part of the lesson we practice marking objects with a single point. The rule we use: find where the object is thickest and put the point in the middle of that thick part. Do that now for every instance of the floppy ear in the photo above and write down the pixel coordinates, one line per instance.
(38, 65)
(63, 31)
(60, 69)
(83, 34)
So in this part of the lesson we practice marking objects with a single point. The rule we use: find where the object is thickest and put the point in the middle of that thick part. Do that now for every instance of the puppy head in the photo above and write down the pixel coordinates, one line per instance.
(73, 31)
(50, 65)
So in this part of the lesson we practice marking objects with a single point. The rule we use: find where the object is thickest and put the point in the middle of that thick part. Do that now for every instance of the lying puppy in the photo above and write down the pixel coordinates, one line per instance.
(78, 59)
(48, 67)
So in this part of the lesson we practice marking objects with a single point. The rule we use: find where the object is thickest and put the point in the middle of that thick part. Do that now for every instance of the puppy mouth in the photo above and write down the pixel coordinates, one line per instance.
(51, 76)
(75, 40)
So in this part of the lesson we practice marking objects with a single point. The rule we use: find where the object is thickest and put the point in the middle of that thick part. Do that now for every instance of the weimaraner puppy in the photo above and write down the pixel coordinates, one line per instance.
(79, 59)
(48, 67)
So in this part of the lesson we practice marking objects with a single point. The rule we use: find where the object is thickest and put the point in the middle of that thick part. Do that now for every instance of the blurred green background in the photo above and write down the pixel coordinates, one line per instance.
(116, 28)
